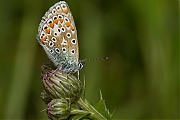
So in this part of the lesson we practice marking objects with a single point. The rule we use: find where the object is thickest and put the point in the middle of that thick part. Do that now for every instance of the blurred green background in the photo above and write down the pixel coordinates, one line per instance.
(140, 80)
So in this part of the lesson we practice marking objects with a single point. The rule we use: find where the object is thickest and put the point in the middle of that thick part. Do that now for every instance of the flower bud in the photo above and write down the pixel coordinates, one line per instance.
(62, 85)
(58, 109)
(46, 67)
(45, 97)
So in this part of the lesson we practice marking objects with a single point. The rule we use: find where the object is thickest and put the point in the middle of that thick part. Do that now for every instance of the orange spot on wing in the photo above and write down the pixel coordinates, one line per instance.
(55, 21)
(67, 24)
(51, 25)
(47, 30)
(61, 20)
(43, 38)
(72, 28)
(65, 11)
(59, 10)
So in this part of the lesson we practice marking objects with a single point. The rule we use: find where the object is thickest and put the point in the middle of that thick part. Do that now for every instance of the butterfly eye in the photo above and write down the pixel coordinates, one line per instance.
(80, 65)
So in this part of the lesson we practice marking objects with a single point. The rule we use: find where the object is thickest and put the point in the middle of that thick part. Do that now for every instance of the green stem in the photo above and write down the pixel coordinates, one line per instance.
(85, 105)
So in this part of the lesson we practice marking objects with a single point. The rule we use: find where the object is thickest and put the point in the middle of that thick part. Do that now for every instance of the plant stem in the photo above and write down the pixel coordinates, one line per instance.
(85, 105)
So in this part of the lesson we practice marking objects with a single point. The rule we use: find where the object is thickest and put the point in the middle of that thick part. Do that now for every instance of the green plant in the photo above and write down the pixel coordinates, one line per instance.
(64, 95)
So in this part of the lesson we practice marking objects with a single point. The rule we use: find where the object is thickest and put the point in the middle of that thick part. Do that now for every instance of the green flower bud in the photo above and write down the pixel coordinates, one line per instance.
(62, 85)
(47, 67)
(58, 109)
(45, 97)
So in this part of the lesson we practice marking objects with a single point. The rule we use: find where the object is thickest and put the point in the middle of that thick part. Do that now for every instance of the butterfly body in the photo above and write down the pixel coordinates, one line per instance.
(57, 34)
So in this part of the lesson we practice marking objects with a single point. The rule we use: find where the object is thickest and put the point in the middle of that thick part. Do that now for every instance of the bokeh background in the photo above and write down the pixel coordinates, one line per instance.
(140, 80)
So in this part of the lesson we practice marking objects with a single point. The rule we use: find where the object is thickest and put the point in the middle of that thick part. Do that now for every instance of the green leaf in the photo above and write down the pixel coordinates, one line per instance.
(101, 108)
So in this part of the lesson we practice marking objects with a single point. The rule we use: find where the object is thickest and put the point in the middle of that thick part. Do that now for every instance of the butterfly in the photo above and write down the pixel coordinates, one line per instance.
(57, 34)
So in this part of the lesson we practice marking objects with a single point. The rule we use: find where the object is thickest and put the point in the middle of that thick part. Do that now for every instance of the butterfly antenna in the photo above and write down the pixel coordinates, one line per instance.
(95, 59)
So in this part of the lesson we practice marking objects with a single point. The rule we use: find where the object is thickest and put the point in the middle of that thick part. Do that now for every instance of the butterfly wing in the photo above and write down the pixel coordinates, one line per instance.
(57, 34)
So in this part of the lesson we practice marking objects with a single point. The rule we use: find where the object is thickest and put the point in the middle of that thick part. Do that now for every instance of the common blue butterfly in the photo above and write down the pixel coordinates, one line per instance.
(57, 34)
